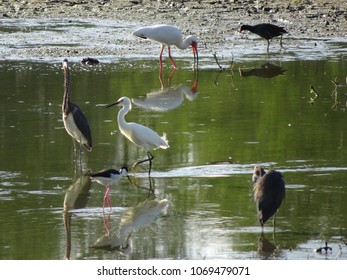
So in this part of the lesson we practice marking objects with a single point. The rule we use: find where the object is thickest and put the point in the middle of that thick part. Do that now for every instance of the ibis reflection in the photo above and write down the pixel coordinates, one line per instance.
(168, 97)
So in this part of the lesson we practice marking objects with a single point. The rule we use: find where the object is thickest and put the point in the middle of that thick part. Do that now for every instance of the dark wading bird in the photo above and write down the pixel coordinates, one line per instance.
(108, 177)
(266, 31)
(140, 135)
(75, 121)
(269, 192)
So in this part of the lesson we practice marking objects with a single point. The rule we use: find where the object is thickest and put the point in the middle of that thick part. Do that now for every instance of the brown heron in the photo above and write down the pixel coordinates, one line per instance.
(269, 192)
(75, 121)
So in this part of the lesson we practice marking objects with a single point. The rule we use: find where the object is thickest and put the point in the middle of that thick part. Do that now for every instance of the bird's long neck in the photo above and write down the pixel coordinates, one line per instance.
(66, 98)
(248, 27)
(183, 44)
(121, 117)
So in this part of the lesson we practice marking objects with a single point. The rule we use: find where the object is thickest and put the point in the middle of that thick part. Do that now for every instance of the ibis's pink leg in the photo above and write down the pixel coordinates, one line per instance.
(161, 58)
(170, 77)
(172, 61)
(195, 86)
(161, 79)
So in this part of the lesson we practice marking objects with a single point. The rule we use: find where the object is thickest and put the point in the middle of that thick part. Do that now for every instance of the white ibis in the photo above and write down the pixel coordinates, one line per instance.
(108, 177)
(266, 31)
(140, 135)
(168, 35)
(269, 192)
(75, 121)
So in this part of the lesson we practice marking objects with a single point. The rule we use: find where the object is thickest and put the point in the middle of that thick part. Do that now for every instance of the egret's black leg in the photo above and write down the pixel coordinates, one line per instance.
(150, 157)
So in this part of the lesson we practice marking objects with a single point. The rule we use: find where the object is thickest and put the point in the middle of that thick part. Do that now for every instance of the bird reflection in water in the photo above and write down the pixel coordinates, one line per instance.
(110, 242)
(133, 219)
(267, 249)
(267, 70)
(141, 215)
(167, 97)
(76, 197)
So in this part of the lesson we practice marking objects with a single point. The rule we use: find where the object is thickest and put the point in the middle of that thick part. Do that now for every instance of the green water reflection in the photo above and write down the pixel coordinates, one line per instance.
(216, 135)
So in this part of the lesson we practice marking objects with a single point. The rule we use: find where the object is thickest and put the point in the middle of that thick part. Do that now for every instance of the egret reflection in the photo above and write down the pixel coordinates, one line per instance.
(267, 70)
(110, 241)
(141, 215)
(133, 219)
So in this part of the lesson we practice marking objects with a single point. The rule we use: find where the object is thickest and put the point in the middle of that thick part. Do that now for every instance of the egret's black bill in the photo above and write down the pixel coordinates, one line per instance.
(112, 104)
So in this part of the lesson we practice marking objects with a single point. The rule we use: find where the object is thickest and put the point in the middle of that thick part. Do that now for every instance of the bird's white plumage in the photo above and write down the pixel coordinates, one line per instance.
(166, 35)
(140, 135)
(72, 130)
(111, 180)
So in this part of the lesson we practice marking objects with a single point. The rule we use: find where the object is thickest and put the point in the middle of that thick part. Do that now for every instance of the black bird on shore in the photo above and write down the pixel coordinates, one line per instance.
(269, 192)
(266, 31)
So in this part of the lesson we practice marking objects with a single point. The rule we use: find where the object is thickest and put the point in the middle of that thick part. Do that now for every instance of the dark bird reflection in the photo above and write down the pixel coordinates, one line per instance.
(267, 70)
(76, 197)
(167, 98)
(267, 249)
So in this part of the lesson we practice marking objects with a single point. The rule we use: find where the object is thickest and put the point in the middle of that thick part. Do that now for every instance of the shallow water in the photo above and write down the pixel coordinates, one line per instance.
(202, 206)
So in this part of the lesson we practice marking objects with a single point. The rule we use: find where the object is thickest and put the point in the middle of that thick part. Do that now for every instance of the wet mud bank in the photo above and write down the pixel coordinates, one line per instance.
(40, 30)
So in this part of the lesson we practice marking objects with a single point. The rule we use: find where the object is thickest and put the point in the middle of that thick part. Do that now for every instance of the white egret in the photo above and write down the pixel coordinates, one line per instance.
(140, 135)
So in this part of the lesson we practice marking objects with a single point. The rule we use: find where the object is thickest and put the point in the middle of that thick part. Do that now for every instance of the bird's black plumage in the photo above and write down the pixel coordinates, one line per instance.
(82, 134)
(269, 192)
(265, 30)
(106, 173)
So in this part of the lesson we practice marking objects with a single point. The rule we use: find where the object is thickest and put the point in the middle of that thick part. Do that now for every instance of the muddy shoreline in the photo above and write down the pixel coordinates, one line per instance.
(216, 23)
